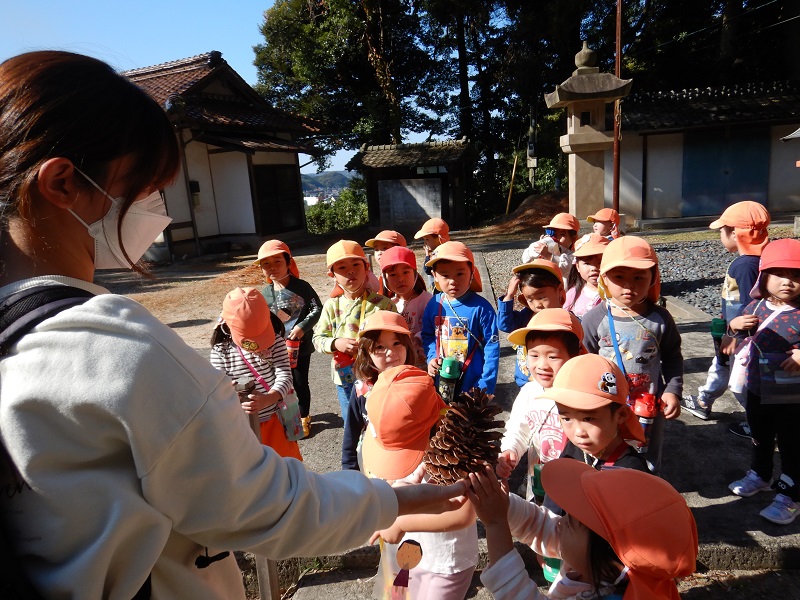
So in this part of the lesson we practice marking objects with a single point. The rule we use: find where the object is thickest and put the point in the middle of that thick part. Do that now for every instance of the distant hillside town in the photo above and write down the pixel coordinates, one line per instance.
(325, 185)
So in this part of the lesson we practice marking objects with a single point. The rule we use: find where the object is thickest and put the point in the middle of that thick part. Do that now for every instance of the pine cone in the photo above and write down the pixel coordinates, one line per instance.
(464, 441)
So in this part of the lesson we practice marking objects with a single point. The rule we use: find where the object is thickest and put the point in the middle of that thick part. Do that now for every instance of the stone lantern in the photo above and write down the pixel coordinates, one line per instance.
(585, 95)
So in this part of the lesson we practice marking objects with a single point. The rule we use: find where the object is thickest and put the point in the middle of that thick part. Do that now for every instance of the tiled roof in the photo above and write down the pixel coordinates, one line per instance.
(242, 109)
(777, 102)
(409, 155)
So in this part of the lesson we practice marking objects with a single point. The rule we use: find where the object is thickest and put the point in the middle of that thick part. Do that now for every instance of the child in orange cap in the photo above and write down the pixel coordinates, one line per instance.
(383, 342)
(772, 322)
(625, 534)
(245, 344)
(407, 291)
(557, 243)
(591, 393)
(298, 307)
(458, 322)
(582, 292)
(551, 338)
(343, 316)
(630, 329)
(433, 233)
(536, 285)
(403, 409)
(605, 222)
(386, 239)
(743, 229)
(383, 241)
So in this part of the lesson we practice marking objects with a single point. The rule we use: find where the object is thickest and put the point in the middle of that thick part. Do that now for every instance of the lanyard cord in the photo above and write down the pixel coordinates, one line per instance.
(633, 316)
(460, 320)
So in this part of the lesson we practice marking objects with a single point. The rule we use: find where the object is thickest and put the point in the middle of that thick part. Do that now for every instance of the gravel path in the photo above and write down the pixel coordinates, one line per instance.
(691, 271)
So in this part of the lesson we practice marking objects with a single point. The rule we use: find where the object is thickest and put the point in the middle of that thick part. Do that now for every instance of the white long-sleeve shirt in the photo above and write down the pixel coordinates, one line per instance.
(133, 456)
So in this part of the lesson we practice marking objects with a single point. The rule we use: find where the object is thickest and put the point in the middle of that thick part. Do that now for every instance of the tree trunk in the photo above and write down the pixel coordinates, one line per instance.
(381, 63)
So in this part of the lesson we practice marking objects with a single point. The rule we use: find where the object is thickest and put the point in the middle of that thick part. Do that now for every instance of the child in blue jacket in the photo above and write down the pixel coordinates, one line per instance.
(458, 322)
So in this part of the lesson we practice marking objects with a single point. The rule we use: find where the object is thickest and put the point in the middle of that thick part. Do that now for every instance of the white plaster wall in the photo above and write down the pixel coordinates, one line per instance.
(783, 193)
(231, 186)
(630, 177)
(204, 211)
(664, 192)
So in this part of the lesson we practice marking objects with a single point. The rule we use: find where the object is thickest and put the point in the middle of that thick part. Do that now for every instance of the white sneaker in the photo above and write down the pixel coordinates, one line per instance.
(782, 511)
(749, 485)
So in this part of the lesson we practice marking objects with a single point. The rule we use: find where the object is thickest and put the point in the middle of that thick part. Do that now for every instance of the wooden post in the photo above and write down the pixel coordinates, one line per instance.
(511, 185)
(617, 111)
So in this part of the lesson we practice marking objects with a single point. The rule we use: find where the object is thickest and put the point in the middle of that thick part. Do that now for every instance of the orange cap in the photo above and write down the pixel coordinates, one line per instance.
(564, 221)
(385, 320)
(398, 255)
(548, 319)
(646, 522)
(605, 214)
(457, 252)
(246, 313)
(540, 263)
(388, 235)
(402, 408)
(434, 227)
(746, 215)
(590, 381)
(749, 221)
(590, 245)
(272, 248)
(634, 252)
(344, 249)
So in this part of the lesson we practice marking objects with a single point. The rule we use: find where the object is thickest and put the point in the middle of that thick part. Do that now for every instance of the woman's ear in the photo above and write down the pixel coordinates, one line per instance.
(55, 181)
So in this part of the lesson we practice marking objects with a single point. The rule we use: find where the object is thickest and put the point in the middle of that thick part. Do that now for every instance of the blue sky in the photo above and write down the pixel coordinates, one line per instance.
(129, 35)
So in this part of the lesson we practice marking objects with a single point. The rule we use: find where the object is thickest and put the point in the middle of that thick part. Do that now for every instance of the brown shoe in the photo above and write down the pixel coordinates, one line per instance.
(306, 421)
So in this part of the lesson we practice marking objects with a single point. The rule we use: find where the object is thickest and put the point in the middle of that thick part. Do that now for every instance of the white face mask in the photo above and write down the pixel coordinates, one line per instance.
(142, 224)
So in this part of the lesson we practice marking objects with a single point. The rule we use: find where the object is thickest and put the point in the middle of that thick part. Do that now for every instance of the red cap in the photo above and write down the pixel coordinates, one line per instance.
(246, 313)
(402, 408)
(644, 519)
(398, 255)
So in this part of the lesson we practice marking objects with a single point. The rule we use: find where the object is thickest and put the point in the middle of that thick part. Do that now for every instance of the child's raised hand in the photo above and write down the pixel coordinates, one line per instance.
(434, 366)
(489, 496)
(743, 322)
(792, 364)
(506, 463)
(513, 286)
(672, 405)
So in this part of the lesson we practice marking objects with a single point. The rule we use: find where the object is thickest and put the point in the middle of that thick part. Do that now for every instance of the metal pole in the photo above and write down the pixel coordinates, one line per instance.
(511, 185)
(617, 109)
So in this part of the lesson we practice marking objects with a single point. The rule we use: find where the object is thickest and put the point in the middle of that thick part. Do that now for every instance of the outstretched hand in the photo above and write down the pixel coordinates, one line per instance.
(430, 499)
(489, 496)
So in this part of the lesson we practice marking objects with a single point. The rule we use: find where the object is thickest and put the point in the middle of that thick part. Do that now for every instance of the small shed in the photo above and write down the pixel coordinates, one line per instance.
(691, 153)
(240, 179)
(407, 184)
